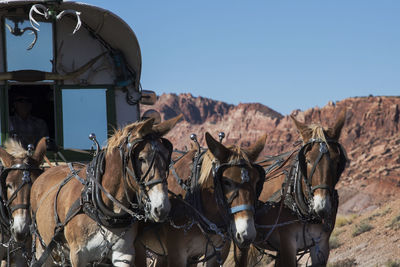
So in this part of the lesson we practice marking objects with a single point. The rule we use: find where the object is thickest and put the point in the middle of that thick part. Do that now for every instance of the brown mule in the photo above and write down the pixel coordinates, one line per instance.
(304, 216)
(21, 168)
(89, 213)
(219, 192)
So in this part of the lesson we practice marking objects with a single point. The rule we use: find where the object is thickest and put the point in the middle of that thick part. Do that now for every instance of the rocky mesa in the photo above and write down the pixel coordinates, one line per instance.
(370, 136)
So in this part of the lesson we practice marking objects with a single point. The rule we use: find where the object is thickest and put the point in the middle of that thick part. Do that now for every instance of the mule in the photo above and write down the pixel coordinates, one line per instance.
(301, 218)
(213, 195)
(21, 168)
(89, 213)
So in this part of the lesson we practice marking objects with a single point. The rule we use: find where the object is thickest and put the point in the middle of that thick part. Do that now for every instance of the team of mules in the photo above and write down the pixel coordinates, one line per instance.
(135, 204)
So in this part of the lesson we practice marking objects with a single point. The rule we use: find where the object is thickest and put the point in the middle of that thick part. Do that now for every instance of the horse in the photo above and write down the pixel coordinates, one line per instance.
(299, 200)
(21, 168)
(89, 213)
(213, 194)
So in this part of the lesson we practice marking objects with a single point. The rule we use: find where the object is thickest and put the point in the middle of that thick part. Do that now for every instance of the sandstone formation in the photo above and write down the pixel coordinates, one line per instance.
(370, 136)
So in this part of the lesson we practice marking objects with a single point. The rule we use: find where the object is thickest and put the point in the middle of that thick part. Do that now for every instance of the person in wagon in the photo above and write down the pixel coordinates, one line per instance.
(22, 125)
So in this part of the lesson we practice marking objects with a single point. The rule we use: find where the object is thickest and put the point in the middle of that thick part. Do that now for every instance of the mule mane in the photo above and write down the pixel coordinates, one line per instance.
(132, 131)
(15, 149)
(237, 156)
(317, 132)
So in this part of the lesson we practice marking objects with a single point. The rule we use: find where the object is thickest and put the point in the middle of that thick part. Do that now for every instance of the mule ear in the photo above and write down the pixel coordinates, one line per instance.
(217, 149)
(163, 128)
(255, 150)
(144, 127)
(40, 151)
(303, 129)
(335, 131)
(6, 159)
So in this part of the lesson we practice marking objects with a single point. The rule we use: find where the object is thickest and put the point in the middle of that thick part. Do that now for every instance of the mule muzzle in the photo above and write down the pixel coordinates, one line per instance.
(160, 214)
(158, 205)
(20, 234)
(244, 232)
(322, 205)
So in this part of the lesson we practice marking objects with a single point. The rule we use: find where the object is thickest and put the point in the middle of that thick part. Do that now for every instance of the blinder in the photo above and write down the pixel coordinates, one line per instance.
(133, 148)
(6, 210)
(245, 178)
(323, 149)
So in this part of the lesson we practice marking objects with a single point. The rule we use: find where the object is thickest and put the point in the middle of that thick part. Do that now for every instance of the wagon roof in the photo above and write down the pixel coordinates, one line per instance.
(111, 28)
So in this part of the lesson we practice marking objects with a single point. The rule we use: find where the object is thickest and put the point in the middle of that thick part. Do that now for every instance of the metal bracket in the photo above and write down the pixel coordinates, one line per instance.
(92, 137)
(193, 137)
(221, 136)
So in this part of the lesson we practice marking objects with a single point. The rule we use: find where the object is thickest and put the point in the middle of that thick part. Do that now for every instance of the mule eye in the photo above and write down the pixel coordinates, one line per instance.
(227, 183)
(141, 159)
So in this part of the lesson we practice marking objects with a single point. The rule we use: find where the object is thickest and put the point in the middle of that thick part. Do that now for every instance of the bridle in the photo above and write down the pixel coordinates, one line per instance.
(305, 203)
(6, 209)
(135, 209)
(227, 211)
(133, 148)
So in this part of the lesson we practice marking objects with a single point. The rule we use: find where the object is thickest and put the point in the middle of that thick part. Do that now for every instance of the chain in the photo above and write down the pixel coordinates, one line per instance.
(109, 244)
(186, 227)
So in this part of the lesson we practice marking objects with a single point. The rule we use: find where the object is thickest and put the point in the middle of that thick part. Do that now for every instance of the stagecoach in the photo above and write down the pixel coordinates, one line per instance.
(79, 64)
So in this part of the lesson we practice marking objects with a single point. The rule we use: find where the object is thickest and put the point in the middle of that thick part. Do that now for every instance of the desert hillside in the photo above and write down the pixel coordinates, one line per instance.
(371, 182)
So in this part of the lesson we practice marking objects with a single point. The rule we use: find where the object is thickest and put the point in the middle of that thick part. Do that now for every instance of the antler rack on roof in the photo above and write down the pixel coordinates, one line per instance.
(35, 75)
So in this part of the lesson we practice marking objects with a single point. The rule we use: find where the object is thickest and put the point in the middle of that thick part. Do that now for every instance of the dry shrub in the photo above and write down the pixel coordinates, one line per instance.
(392, 263)
(395, 223)
(343, 263)
(342, 220)
(362, 227)
(334, 242)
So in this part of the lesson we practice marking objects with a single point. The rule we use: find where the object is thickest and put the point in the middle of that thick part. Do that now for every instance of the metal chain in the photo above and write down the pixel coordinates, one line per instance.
(109, 244)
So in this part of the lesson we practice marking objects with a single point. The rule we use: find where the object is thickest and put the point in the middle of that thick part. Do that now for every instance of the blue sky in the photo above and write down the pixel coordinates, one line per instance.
(284, 54)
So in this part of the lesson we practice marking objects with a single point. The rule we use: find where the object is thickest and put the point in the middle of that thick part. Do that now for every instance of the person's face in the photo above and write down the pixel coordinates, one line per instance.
(23, 106)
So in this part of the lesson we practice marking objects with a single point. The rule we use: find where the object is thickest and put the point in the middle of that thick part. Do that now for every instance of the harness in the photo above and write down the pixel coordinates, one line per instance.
(193, 200)
(6, 209)
(91, 202)
(224, 203)
(292, 195)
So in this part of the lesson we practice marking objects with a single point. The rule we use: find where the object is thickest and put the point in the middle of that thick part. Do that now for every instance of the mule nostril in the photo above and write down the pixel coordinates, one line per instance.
(239, 237)
(157, 211)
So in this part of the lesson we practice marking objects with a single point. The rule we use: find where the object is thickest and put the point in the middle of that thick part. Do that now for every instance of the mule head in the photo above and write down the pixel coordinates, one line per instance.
(237, 184)
(151, 159)
(21, 168)
(321, 160)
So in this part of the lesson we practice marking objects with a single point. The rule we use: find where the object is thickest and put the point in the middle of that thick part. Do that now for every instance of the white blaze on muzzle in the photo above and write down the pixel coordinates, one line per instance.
(159, 202)
(244, 229)
(20, 224)
(322, 203)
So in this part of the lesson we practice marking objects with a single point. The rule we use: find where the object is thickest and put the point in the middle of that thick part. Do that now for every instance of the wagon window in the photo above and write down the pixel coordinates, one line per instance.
(19, 57)
(84, 112)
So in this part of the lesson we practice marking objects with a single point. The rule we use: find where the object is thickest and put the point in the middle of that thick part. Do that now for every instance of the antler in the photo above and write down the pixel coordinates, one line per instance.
(35, 8)
(34, 75)
(18, 32)
(73, 12)
(34, 40)
(47, 13)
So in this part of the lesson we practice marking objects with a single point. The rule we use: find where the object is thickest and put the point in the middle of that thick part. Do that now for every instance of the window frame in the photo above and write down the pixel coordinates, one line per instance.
(59, 124)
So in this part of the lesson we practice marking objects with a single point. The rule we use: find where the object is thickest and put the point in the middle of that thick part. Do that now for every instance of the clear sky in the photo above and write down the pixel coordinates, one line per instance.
(284, 54)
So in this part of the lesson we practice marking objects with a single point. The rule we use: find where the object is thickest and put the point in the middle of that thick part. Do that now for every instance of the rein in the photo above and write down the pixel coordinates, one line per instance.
(193, 198)
(91, 202)
(292, 195)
